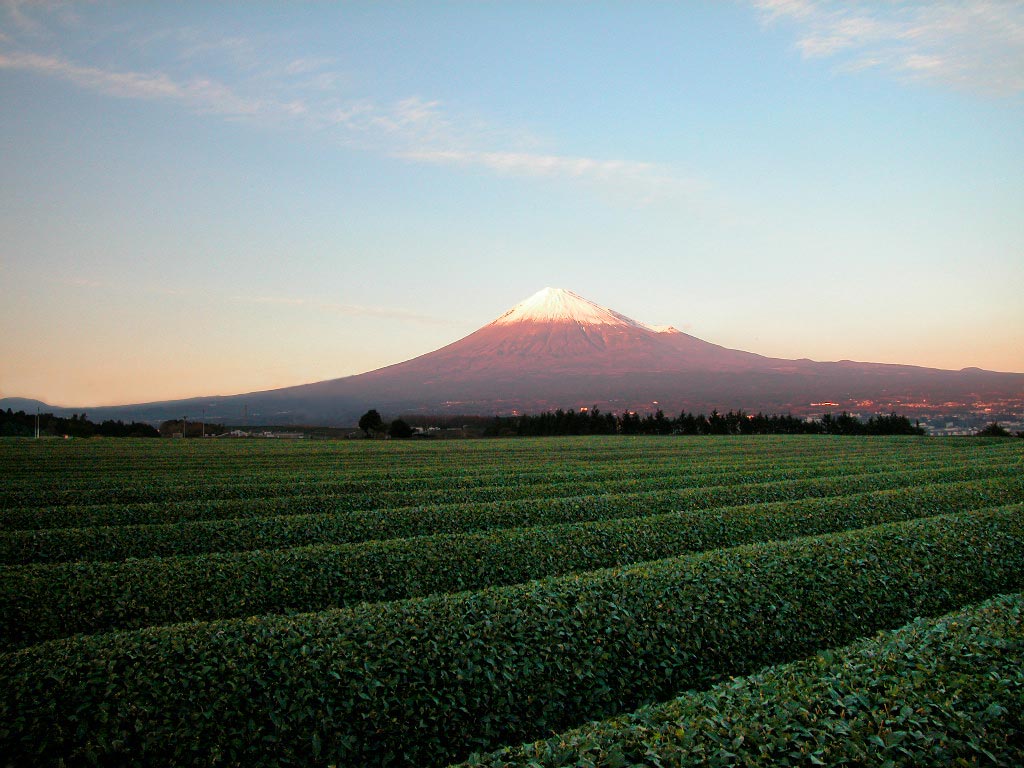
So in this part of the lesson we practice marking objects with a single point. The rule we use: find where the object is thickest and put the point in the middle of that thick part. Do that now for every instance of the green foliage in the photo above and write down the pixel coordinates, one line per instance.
(44, 602)
(256, 527)
(145, 499)
(994, 430)
(371, 421)
(190, 428)
(428, 680)
(592, 422)
(21, 424)
(337, 522)
(399, 430)
(941, 691)
(186, 477)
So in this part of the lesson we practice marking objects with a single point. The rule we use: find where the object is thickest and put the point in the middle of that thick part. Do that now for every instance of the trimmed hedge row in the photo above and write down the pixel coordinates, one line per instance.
(35, 469)
(310, 498)
(427, 681)
(278, 532)
(944, 691)
(40, 603)
(40, 473)
(202, 484)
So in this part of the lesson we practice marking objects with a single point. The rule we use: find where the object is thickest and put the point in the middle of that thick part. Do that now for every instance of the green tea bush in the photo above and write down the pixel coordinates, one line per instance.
(426, 681)
(437, 476)
(221, 500)
(947, 691)
(44, 602)
(48, 473)
(121, 542)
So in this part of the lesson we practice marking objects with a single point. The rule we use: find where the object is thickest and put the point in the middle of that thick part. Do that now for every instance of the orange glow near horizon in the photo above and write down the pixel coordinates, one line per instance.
(67, 376)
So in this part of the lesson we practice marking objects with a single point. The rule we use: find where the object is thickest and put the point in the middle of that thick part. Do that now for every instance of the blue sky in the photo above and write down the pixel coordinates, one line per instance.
(216, 198)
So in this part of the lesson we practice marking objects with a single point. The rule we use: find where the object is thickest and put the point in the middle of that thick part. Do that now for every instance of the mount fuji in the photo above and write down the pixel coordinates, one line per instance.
(557, 349)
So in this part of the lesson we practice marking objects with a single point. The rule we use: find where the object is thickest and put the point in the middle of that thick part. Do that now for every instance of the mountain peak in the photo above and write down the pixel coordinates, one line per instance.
(557, 305)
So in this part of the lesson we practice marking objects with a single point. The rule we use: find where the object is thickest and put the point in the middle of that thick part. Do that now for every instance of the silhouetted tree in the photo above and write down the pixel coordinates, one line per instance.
(994, 430)
(893, 425)
(571, 422)
(111, 428)
(371, 421)
(399, 429)
(629, 423)
(80, 426)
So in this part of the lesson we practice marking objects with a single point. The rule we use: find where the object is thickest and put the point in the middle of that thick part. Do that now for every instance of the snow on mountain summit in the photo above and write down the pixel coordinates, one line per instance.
(559, 305)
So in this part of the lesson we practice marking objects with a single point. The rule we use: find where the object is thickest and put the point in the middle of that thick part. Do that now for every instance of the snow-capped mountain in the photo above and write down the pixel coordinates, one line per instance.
(555, 332)
(557, 305)
(557, 349)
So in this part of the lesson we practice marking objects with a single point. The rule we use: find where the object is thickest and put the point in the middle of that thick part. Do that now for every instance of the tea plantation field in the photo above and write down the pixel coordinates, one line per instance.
(604, 601)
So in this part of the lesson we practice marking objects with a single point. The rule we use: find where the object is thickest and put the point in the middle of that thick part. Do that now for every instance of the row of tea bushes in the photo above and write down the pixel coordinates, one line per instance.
(45, 602)
(262, 500)
(43, 472)
(947, 691)
(278, 532)
(255, 483)
(431, 680)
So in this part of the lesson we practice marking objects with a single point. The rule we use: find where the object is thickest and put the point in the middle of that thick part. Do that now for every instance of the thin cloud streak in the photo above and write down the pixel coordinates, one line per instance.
(308, 65)
(202, 93)
(530, 164)
(300, 94)
(15, 12)
(643, 183)
(976, 46)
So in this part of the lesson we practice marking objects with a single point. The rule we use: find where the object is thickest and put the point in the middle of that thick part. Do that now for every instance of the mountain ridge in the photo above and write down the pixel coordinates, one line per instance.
(558, 349)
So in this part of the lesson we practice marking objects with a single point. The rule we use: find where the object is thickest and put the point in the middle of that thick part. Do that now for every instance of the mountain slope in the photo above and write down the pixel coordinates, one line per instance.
(556, 332)
(557, 349)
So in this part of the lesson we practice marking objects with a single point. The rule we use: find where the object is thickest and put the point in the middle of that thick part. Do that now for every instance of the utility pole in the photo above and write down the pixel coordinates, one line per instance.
(203, 423)
(184, 427)
(37, 422)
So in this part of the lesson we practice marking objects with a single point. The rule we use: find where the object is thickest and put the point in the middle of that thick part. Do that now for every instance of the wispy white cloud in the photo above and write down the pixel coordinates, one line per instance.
(533, 164)
(308, 94)
(308, 64)
(412, 129)
(19, 14)
(639, 183)
(412, 120)
(421, 131)
(975, 45)
(201, 93)
(242, 52)
(33, 18)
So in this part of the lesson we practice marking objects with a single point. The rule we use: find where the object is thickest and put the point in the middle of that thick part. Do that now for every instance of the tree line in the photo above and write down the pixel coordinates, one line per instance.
(372, 423)
(21, 424)
(594, 422)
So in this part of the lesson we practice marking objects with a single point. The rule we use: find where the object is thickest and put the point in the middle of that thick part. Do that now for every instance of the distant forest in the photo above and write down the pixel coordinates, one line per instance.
(593, 422)
(21, 424)
(560, 422)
